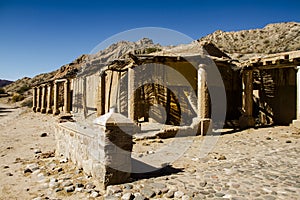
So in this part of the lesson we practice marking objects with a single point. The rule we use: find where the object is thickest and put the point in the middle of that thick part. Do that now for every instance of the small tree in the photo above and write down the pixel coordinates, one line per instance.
(17, 97)
(23, 89)
(2, 91)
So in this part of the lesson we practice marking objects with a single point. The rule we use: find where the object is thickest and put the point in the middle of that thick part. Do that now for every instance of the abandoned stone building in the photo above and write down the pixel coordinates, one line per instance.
(197, 92)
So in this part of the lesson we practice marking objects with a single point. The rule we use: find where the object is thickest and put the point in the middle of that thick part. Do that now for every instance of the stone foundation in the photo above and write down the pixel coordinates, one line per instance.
(103, 151)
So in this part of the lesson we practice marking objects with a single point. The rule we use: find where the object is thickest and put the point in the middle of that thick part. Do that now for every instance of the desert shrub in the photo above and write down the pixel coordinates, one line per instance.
(151, 50)
(17, 97)
(2, 91)
(27, 102)
(23, 89)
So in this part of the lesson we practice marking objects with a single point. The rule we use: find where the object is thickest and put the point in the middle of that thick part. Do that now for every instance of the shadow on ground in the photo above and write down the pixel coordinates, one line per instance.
(4, 111)
(157, 172)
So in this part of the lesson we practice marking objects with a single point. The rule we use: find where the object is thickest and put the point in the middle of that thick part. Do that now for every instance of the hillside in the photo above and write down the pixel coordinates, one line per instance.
(113, 52)
(4, 82)
(239, 45)
(273, 38)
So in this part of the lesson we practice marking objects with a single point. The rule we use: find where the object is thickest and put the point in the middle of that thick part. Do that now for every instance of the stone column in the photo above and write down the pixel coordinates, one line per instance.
(202, 100)
(49, 99)
(43, 107)
(101, 95)
(55, 103)
(131, 89)
(67, 99)
(296, 122)
(34, 96)
(39, 92)
(247, 119)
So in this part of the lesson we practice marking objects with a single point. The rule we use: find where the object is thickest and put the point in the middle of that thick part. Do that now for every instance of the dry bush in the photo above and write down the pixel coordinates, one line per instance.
(17, 98)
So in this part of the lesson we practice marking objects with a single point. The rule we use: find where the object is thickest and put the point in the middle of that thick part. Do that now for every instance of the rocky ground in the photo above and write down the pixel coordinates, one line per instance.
(251, 164)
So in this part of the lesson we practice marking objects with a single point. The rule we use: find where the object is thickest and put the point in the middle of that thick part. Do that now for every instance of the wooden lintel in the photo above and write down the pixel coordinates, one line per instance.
(276, 66)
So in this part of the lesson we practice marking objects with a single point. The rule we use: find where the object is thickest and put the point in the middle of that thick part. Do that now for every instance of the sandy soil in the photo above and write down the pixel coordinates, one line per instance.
(245, 155)
(20, 131)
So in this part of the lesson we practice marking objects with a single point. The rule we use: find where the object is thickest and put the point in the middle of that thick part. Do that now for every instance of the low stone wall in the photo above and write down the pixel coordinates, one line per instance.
(103, 151)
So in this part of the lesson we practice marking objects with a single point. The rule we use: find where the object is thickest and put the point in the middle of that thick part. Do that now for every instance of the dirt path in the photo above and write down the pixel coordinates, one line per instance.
(20, 131)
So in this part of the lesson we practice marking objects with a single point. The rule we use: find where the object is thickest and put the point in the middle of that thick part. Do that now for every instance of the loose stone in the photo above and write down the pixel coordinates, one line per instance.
(70, 188)
(43, 135)
(113, 189)
(57, 189)
(127, 196)
(90, 186)
(67, 183)
(169, 194)
(148, 192)
(178, 194)
(37, 151)
(94, 194)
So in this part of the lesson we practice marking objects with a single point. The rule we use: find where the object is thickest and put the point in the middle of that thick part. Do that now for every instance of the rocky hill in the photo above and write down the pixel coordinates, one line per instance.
(117, 51)
(273, 38)
(113, 52)
(4, 82)
(239, 45)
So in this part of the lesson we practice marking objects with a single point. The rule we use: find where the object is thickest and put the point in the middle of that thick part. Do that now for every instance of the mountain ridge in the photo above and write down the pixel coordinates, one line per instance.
(238, 45)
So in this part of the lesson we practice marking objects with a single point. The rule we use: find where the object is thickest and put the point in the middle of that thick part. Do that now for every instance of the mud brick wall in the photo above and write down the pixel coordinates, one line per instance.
(103, 151)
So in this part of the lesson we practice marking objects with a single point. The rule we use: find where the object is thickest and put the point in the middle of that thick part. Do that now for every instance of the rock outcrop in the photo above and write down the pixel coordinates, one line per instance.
(273, 38)
(239, 45)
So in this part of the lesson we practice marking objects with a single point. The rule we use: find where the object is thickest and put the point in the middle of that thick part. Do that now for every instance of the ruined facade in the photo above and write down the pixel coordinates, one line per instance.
(271, 90)
(183, 93)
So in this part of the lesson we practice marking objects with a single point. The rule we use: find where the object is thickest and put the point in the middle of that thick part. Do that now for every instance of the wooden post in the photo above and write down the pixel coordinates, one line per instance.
(43, 107)
(298, 93)
(247, 120)
(38, 108)
(34, 96)
(67, 99)
(49, 99)
(130, 89)
(296, 122)
(101, 95)
(168, 105)
(56, 94)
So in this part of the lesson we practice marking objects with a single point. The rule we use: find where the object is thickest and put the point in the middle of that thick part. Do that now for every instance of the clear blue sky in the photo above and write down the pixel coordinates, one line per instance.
(38, 36)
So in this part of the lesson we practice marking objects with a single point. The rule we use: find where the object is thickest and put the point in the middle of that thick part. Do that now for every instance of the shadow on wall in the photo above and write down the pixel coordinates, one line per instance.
(161, 104)
(275, 96)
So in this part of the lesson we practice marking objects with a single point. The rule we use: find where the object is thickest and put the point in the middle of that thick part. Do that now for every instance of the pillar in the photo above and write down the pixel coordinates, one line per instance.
(43, 99)
(247, 119)
(101, 95)
(55, 103)
(131, 89)
(296, 122)
(168, 104)
(202, 100)
(49, 99)
(67, 97)
(34, 96)
(38, 105)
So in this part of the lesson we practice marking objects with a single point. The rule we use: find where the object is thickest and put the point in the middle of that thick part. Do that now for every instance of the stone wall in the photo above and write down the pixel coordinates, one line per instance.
(103, 151)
